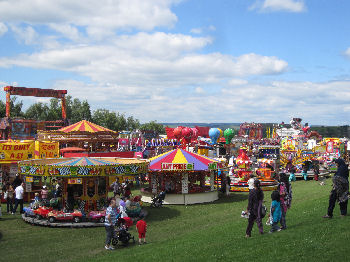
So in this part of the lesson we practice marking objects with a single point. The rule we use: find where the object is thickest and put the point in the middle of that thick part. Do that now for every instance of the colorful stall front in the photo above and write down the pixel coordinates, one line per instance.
(182, 175)
(86, 177)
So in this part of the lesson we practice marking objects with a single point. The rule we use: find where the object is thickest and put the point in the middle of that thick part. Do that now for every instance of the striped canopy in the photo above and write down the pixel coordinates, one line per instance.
(84, 161)
(181, 156)
(85, 126)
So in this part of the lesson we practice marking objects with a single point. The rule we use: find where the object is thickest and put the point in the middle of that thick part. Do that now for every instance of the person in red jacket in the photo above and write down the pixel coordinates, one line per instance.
(141, 227)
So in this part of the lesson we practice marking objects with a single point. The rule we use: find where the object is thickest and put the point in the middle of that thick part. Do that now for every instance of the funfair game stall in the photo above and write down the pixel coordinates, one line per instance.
(182, 175)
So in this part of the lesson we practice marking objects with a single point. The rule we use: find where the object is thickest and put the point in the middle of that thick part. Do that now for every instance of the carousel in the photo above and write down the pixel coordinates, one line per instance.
(86, 179)
(182, 175)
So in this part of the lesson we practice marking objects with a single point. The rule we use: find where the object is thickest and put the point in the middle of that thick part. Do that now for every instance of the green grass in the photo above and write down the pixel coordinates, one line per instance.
(208, 232)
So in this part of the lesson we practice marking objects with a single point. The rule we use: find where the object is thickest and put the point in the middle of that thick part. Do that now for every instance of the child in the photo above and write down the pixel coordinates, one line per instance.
(141, 227)
(285, 194)
(292, 175)
(36, 197)
(275, 211)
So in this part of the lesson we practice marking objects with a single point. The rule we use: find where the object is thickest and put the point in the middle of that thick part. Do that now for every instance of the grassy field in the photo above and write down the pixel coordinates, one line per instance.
(208, 232)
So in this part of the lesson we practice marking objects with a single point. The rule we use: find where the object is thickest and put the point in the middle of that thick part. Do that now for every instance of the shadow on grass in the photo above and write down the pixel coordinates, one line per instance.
(162, 213)
(10, 218)
(0, 236)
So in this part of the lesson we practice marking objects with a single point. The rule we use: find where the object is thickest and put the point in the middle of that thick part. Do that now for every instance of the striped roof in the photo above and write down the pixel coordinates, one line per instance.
(180, 156)
(85, 126)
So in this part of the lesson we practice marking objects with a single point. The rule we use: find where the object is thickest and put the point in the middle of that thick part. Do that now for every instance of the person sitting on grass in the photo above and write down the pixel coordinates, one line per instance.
(141, 227)
(275, 212)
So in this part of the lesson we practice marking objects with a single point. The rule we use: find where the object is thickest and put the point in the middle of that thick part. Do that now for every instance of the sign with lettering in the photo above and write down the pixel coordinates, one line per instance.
(178, 167)
(213, 166)
(45, 149)
(29, 179)
(16, 150)
(73, 181)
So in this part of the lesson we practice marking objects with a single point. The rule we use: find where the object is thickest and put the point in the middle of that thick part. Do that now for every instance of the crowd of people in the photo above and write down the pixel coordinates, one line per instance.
(116, 215)
(281, 199)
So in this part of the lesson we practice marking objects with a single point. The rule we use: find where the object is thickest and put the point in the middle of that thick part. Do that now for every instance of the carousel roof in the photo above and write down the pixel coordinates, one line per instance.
(181, 156)
(86, 126)
(82, 166)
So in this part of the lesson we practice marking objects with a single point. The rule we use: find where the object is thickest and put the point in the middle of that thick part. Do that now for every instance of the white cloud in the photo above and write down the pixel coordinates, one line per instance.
(3, 29)
(103, 14)
(199, 90)
(27, 35)
(196, 31)
(155, 59)
(237, 82)
(347, 52)
(316, 103)
(295, 6)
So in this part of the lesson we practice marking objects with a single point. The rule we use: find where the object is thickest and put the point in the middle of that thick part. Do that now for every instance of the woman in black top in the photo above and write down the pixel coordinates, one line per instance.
(340, 190)
(255, 201)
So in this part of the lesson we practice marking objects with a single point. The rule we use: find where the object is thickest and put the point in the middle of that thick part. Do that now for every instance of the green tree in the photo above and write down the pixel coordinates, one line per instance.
(38, 111)
(154, 126)
(2, 109)
(16, 108)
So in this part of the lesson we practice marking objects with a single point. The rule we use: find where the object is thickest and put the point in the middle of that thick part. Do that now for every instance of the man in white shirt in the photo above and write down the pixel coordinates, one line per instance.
(251, 182)
(19, 191)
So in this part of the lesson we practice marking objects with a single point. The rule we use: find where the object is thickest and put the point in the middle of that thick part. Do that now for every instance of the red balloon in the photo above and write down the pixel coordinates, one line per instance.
(194, 133)
(178, 132)
(187, 133)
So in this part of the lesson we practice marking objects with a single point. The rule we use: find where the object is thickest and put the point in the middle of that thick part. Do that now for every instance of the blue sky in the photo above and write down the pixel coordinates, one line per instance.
(185, 61)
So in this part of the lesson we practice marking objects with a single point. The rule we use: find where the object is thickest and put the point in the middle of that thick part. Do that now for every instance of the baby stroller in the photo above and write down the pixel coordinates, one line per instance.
(158, 200)
(121, 234)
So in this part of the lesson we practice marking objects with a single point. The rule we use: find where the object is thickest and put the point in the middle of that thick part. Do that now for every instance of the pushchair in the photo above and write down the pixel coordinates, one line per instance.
(158, 200)
(121, 234)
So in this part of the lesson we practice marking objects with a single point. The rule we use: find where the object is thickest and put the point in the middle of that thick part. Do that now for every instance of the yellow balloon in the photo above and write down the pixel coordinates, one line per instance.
(221, 133)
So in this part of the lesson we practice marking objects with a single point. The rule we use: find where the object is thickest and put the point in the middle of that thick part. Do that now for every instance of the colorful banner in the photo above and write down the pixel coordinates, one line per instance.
(81, 171)
(12, 151)
(173, 166)
(46, 149)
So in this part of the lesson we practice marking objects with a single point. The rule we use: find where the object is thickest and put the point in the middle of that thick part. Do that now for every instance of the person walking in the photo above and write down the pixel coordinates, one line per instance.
(110, 221)
(340, 190)
(19, 192)
(255, 201)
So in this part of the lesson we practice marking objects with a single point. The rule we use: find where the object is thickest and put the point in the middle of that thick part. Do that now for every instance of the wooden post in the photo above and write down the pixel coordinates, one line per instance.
(64, 112)
(8, 103)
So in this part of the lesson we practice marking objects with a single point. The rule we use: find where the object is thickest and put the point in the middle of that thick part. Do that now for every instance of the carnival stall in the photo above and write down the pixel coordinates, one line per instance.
(182, 174)
(85, 179)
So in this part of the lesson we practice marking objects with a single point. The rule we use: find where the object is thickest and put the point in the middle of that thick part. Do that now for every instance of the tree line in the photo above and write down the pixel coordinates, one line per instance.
(78, 110)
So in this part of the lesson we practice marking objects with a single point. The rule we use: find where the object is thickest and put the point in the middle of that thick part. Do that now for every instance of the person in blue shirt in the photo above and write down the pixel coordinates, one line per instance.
(110, 221)
(275, 211)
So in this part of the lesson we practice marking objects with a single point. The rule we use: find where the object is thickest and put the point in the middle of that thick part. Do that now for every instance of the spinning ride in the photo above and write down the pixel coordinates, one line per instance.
(239, 182)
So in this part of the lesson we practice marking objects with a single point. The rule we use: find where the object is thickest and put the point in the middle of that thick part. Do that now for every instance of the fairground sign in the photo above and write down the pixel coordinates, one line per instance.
(172, 166)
